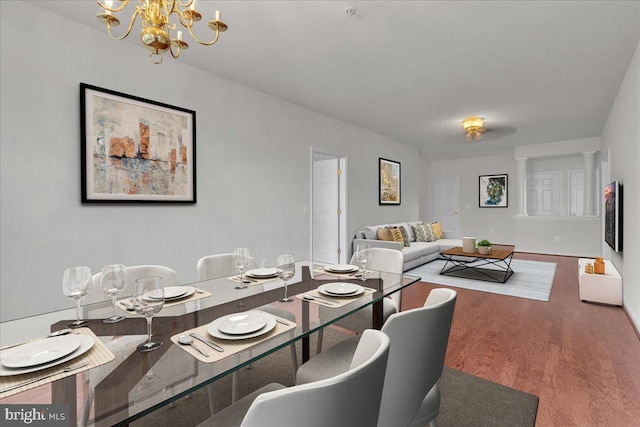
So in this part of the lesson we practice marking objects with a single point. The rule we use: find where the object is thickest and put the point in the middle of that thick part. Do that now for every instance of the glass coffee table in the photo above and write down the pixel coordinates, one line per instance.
(494, 267)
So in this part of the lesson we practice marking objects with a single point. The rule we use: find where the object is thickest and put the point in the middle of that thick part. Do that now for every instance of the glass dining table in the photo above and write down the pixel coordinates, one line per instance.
(133, 384)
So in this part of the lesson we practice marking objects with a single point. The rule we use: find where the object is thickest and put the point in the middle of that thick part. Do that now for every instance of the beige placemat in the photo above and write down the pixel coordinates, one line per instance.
(98, 355)
(356, 275)
(335, 302)
(230, 347)
(253, 280)
(124, 303)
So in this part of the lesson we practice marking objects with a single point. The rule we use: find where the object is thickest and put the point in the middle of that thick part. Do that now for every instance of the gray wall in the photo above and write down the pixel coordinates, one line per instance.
(253, 164)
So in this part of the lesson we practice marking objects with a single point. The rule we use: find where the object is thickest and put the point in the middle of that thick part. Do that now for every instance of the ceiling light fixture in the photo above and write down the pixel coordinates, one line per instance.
(473, 127)
(155, 18)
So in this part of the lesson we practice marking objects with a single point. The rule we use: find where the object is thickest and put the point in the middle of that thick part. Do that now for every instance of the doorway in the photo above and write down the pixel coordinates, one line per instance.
(445, 196)
(328, 208)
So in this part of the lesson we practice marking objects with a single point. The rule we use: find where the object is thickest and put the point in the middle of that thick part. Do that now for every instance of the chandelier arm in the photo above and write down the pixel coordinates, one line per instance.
(114, 9)
(200, 41)
(175, 55)
(184, 21)
(133, 20)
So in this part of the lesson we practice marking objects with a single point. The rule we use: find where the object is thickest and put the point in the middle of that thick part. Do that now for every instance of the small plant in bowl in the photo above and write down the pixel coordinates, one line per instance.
(484, 247)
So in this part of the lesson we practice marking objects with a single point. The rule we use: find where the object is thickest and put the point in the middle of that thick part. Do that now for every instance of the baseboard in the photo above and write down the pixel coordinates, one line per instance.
(633, 324)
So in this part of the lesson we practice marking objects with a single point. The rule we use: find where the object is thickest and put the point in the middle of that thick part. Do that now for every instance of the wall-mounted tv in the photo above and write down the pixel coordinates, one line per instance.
(613, 215)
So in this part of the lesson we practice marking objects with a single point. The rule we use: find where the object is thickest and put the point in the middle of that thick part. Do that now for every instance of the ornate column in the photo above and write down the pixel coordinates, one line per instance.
(588, 208)
(522, 186)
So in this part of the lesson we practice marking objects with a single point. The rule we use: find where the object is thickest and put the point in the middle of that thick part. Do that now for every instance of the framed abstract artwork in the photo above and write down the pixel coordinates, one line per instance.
(135, 149)
(493, 190)
(389, 182)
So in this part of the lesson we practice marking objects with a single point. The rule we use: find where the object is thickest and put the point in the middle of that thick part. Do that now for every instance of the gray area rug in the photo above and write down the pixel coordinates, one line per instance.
(530, 279)
(466, 400)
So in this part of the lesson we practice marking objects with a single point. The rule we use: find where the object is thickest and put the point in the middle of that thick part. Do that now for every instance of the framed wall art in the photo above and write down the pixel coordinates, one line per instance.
(493, 191)
(389, 182)
(135, 149)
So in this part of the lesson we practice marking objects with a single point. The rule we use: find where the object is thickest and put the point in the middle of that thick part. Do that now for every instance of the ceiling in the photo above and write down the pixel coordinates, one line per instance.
(537, 71)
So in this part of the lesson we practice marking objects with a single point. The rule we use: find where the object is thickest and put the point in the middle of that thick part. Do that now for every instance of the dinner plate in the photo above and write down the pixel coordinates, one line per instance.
(172, 293)
(340, 289)
(243, 323)
(214, 331)
(86, 342)
(38, 352)
(261, 273)
(341, 268)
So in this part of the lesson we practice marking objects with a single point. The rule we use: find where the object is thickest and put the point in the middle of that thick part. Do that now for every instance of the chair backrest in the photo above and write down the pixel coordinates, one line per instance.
(219, 265)
(346, 400)
(419, 339)
(391, 263)
(169, 278)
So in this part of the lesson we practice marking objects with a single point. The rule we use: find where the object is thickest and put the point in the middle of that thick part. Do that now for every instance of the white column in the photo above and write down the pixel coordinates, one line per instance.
(522, 186)
(587, 199)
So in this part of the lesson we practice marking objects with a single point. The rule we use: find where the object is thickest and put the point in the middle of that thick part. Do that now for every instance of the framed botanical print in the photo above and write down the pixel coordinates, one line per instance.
(493, 190)
(389, 182)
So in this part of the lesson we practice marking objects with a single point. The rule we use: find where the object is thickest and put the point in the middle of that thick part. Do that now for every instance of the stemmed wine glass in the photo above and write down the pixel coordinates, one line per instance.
(241, 261)
(286, 268)
(363, 256)
(76, 283)
(148, 299)
(113, 281)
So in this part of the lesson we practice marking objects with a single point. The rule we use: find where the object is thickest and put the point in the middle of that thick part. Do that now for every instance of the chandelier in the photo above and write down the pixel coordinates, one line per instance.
(473, 127)
(157, 28)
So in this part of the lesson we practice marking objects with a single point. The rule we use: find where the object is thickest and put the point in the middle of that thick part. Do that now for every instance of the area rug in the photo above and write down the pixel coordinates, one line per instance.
(530, 279)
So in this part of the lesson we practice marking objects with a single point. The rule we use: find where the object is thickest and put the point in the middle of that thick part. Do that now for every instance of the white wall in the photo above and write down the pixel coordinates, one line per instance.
(253, 164)
(621, 136)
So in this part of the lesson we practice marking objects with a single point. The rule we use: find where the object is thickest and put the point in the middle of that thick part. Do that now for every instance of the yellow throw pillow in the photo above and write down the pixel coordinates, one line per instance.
(397, 235)
(385, 234)
(437, 230)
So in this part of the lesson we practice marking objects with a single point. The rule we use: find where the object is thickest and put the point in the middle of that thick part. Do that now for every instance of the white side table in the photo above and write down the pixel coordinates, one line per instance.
(603, 288)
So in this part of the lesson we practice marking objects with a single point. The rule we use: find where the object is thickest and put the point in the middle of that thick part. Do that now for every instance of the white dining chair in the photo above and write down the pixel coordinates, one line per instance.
(419, 339)
(221, 265)
(390, 263)
(348, 399)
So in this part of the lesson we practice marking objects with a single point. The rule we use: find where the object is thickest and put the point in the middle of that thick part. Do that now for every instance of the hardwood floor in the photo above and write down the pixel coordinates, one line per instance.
(582, 360)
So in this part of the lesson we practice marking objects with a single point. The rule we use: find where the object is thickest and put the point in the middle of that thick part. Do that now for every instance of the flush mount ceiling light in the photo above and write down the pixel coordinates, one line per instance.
(473, 128)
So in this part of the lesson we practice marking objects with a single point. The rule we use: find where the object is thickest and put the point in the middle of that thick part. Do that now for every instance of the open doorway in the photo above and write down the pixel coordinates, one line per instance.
(328, 208)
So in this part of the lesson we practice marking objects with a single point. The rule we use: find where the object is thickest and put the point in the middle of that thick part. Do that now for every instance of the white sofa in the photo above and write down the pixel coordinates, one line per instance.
(417, 253)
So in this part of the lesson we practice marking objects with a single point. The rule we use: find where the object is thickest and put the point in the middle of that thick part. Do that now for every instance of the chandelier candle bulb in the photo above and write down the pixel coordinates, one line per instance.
(179, 35)
(217, 15)
(193, 5)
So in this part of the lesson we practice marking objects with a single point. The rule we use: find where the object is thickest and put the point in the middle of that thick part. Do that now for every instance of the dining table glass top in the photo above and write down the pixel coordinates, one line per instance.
(246, 324)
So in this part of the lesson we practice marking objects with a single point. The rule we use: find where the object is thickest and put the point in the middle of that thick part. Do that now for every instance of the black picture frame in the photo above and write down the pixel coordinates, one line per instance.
(135, 150)
(493, 191)
(389, 182)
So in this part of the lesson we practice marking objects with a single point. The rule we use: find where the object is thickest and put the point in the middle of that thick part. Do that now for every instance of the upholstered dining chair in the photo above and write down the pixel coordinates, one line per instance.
(419, 339)
(348, 399)
(390, 263)
(221, 265)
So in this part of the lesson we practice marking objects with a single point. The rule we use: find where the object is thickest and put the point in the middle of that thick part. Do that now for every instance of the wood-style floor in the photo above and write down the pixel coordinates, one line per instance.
(581, 359)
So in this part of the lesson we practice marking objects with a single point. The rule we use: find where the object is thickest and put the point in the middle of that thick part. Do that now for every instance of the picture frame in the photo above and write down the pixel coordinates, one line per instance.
(389, 185)
(135, 150)
(493, 191)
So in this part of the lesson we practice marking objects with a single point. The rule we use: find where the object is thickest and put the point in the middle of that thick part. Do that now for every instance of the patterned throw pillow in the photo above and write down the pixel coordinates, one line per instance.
(385, 234)
(405, 236)
(424, 233)
(397, 235)
(436, 227)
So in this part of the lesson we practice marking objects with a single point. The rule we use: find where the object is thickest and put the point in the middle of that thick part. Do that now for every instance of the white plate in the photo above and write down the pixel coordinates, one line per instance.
(86, 342)
(340, 289)
(172, 293)
(243, 323)
(213, 330)
(341, 268)
(262, 272)
(38, 352)
(190, 290)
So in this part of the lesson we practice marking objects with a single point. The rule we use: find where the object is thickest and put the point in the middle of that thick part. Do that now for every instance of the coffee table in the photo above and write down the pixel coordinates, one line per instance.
(494, 267)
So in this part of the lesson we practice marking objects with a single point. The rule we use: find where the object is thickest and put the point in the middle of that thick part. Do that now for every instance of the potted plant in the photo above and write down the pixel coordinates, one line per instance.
(484, 247)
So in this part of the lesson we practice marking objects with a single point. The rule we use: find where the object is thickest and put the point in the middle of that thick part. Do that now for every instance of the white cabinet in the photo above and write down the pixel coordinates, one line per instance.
(603, 288)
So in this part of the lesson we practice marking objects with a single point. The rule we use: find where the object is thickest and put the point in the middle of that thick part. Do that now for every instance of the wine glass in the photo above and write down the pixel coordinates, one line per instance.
(241, 261)
(148, 299)
(113, 281)
(76, 283)
(363, 256)
(286, 268)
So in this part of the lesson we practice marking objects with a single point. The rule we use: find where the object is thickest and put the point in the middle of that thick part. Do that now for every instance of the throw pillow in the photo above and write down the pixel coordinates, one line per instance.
(397, 235)
(423, 233)
(385, 234)
(371, 233)
(405, 236)
(436, 227)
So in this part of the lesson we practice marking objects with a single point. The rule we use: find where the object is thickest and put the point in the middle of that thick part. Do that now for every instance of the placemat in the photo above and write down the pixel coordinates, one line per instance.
(356, 275)
(230, 347)
(98, 355)
(125, 302)
(253, 280)
(336, 302)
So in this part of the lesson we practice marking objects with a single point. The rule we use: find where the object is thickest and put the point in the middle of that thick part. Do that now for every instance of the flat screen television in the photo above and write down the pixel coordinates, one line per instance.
(613, 215)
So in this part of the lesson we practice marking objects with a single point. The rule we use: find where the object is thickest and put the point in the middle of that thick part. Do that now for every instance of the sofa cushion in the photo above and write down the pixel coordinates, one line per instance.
(424, 233)
(397, 235)
(405, 236)
(412, 253)
(436, 227)
(371, 232)
(385, 234)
